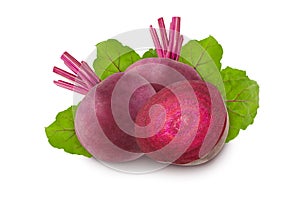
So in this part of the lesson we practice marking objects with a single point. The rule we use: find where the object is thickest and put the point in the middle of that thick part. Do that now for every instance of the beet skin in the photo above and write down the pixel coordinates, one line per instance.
(161, 72)
(96, 126)
(181, 129)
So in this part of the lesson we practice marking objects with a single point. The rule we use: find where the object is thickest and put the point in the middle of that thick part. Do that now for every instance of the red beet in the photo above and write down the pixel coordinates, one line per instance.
(96, 126)
(185, 123)
(190, 130)
(97, 118)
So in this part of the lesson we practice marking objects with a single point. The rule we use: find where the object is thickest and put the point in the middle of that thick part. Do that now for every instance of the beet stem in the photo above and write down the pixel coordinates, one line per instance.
(168, 47)
(171, 40)
(86, 79)
(88, 75)
(156, 42)
(176, 26)
(69, 76)
(163, 33)
(93, 77)
(179, 47)
(176, 21)
(71, 62)
(71, 87)
(64, 73)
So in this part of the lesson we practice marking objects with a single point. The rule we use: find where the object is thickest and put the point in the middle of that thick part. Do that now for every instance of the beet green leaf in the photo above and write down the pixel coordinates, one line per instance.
(113, 57)
(205, 56)
(61, 133)
(151, 53)
(242, 100)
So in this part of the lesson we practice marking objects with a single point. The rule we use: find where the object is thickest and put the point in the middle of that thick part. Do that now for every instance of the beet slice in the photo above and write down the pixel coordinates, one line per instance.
(190, 126)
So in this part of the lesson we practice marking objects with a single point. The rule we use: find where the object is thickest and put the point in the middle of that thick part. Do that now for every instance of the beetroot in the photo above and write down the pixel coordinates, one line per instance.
(95, 124)
(191, 130)
(185, 123)
(122, 117)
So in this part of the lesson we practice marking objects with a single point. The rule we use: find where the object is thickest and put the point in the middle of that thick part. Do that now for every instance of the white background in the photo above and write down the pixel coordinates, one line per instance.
(261, 37)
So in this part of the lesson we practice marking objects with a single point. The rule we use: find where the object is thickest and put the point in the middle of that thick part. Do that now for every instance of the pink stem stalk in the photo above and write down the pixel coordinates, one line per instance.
(176, 29)
(70, 62)
(68, 76)
(93, 77)
(83, 71)
(156, 42)
(171, 40)
(163, 33)
(179, 47)
(168, 47)
(71, 87)
(86, 79)
(64, 73)
(176, 21)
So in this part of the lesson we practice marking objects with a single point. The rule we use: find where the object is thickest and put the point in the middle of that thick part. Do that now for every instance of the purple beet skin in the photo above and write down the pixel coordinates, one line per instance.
(161, 72)
(96, 125)
(189, 131)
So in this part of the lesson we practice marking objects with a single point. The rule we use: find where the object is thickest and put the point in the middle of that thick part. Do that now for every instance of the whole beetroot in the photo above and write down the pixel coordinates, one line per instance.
(189, 127)
(95, 124)
(182, 134)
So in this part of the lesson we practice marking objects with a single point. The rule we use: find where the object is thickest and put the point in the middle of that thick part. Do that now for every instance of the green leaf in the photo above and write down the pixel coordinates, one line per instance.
(113, 57)
(200, 53)
(205, 56)
(61, 133)
(214, 51)
(242, 102)
(151, 53)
